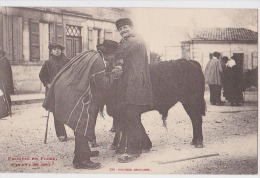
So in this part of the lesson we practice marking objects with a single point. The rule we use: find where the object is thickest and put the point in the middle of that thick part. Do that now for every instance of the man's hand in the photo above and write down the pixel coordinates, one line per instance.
(117, 72)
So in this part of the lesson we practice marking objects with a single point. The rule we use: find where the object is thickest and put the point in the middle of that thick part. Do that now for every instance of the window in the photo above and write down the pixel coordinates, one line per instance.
(41, 34)
(73, 30)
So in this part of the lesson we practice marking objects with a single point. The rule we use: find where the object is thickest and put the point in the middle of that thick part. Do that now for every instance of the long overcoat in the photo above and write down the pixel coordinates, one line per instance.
(6, 84)
(214, 72)
(72, 97)
(6, 76)
(135, 84)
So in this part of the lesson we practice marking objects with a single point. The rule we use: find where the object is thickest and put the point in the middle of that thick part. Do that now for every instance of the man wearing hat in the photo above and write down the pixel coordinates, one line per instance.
(135, 91)
(48, 71)
(214, 78)
(6, 82)
(81, 84)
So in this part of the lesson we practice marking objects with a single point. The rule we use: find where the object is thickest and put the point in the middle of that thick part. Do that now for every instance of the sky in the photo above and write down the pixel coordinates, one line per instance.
(162, 27)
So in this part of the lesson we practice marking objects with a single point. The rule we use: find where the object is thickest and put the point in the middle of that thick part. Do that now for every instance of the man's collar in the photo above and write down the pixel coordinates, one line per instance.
(131, 35)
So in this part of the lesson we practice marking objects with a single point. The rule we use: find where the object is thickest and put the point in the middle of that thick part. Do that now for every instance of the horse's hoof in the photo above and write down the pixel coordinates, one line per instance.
(199, 146)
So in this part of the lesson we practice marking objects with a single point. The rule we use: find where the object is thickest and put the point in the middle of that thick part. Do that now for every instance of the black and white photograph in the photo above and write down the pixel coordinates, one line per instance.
(128, 90)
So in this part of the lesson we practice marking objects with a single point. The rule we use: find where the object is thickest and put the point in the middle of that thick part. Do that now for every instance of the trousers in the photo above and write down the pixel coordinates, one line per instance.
(215, 93)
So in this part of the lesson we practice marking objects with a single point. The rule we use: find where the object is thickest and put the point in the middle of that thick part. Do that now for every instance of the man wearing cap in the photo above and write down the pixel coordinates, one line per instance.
(6, 81)
(81, 84)
(48, 71)
(214, 78)
(135, 91)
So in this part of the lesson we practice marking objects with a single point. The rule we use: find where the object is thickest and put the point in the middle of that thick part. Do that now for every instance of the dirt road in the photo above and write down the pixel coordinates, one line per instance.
(229, 131)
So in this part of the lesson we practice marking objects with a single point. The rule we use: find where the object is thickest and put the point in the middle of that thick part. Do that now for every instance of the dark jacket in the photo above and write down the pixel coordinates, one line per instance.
(51, 67)
(135, 84)
(76, 91)
(6, 76)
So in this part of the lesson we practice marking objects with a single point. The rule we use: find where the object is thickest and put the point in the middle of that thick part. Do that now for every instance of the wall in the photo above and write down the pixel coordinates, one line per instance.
(26, 79)
(201, 51)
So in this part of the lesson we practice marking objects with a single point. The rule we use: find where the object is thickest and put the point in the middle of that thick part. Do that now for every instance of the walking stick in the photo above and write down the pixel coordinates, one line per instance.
(46, 131)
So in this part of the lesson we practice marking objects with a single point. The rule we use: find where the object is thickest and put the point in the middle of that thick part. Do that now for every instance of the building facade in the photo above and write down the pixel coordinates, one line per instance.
(239, 42)
(25, 33)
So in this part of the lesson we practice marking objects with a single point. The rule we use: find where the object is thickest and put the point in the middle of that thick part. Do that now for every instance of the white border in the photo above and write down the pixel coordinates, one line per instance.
(253, 4)
(136, 3)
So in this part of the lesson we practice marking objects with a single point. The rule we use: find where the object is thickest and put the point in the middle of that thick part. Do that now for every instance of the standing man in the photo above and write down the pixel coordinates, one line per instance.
(134, 92)
(76, 95)
(6, 80)
(213, 77)
(48, 71)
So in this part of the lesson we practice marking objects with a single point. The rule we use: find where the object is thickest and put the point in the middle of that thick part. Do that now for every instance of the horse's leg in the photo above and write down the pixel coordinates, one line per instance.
(196, 120)
(118, 134)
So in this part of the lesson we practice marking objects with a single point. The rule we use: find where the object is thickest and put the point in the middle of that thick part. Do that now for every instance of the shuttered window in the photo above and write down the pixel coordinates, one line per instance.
(90, 39)
(17, 38)
(41, 34)
(108, 34)
(34, 40)
(59, 33)
(1, 31)
(8, 36)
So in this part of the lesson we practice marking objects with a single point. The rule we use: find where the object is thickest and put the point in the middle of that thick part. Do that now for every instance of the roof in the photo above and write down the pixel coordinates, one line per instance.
(225, 34)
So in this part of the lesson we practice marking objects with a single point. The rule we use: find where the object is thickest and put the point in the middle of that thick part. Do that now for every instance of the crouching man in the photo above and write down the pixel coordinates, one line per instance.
(76, 94)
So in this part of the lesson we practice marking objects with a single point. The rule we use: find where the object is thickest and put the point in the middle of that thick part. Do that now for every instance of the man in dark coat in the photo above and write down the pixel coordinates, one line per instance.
(135, 90)
(6, 80)
(48, 71)
(76, 94)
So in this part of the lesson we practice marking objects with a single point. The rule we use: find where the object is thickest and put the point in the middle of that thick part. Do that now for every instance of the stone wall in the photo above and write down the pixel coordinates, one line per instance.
(26, 79)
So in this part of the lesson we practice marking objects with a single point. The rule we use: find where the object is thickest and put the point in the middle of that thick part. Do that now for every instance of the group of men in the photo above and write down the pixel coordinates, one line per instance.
(227, 74)
(81, 83)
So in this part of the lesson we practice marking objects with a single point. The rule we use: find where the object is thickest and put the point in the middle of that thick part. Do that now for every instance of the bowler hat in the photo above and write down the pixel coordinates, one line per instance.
(123, 21)
(108, 46)
(54, 45)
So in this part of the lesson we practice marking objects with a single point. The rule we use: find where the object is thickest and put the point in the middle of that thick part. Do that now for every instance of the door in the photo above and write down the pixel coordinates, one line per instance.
(73, 46)
(239, 58)
(73, 41)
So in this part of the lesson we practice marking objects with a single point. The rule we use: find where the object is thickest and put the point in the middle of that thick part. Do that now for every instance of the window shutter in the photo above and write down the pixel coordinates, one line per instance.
(1, 31)
(90, 39)
(8, 36)
(108, 34)
(17, 38)
(34, 40)
(59, 33)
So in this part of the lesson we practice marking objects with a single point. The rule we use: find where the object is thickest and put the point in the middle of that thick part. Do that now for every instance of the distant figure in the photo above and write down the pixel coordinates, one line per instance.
(49, 70)
(223, 64)
(213, 77)
(6, 83)
(234, 84)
